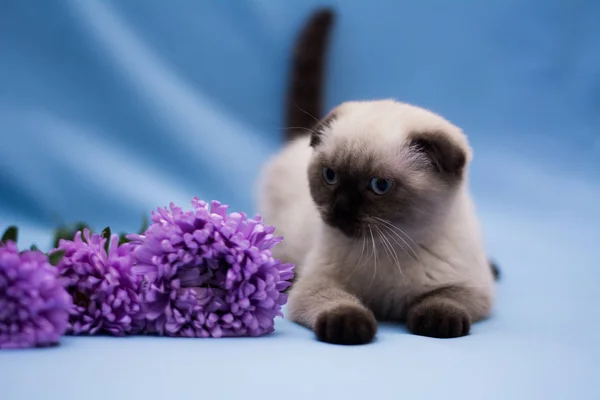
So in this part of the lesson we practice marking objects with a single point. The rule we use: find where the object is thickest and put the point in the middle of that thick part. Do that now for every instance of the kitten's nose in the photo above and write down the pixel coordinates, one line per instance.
(342, 208)
(344, 214)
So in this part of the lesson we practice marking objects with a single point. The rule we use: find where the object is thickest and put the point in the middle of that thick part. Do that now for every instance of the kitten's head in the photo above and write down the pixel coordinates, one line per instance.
(386, 161)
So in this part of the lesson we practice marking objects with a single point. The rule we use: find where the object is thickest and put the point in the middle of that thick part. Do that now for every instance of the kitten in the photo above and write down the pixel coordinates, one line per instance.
(374, 206)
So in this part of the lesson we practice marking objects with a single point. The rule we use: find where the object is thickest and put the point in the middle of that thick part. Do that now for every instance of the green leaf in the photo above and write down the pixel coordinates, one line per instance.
(144, 225)
(68, 232)
(123, 238)
(80, 226)
(33, 248)
(106, 234)
(58, 234)
(55, 257)
(11, 233)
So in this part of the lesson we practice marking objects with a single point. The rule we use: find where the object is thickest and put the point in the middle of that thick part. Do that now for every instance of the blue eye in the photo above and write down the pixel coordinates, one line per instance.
(380, 186)
(330, 176)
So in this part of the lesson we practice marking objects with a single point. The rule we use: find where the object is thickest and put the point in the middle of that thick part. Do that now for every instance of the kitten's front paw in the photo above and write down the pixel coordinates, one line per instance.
(438, 318)
(346, 324)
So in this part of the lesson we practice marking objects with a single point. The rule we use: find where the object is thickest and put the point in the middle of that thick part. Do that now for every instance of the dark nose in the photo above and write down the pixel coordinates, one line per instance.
(344, 214)
(342, 208)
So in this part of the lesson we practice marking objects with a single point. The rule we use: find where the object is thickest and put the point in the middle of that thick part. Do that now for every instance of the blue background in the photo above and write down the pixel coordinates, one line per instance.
(109, 109)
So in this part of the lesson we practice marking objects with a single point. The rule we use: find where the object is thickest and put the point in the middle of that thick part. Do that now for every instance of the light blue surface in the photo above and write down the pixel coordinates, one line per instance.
(110, 109)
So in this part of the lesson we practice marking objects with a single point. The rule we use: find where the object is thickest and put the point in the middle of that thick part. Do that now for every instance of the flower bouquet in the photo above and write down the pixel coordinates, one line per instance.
(197, 273)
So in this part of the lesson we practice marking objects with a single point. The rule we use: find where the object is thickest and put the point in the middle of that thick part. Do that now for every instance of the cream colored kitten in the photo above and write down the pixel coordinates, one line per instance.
(376, 214)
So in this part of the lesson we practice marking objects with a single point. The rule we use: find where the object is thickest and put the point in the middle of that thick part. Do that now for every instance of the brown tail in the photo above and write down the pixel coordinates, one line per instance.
(495, 270)
(305, 96)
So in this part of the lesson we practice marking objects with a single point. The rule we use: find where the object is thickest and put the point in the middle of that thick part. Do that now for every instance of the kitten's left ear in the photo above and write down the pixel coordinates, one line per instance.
(316, 136)
(447, 154)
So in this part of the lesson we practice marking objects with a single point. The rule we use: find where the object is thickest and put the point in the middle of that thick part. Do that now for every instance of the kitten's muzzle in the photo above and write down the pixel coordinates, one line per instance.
(344, 215)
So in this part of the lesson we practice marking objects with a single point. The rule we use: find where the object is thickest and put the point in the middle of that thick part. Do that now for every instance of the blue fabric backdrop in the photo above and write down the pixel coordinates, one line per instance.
(109, 109)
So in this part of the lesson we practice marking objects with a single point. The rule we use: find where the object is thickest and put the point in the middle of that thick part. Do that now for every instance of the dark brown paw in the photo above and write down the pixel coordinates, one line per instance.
(347, 324)
(438, 318)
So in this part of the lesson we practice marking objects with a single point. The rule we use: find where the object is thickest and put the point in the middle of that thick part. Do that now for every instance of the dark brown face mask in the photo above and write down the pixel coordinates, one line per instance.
(346, 206)
(352, 188)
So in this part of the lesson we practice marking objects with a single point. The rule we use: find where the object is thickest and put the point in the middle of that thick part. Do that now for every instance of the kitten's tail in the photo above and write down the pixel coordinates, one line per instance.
(305, 95)
(495, 270)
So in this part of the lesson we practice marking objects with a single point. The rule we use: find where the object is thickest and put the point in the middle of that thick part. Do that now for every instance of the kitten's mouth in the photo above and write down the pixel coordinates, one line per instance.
(348, 228)
(350, 231)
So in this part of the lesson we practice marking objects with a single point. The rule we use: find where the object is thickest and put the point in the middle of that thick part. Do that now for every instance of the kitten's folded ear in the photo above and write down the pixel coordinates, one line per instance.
(318, 130)
(446, 154)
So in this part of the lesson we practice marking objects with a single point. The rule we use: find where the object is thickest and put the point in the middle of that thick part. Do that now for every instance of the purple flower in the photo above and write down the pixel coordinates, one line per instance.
(209, 274)
(33, 302)
(105, 293)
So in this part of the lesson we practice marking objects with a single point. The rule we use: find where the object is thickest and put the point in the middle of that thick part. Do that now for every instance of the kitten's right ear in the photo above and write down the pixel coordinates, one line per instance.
(445, 154)
(316, 137)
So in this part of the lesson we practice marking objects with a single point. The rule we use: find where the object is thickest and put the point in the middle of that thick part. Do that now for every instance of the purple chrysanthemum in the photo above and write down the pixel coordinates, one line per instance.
(104, 291)
(33, 302)
(209, 274)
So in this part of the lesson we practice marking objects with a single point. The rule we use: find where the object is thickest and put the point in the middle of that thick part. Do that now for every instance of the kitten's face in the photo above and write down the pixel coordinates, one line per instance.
(381, 163)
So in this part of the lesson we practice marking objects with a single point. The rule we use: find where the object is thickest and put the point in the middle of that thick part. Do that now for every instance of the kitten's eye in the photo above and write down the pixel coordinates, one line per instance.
(380, 186)
(330, 176)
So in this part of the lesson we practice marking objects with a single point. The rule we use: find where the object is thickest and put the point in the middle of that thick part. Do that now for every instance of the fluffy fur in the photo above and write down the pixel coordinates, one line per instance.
(412, 252)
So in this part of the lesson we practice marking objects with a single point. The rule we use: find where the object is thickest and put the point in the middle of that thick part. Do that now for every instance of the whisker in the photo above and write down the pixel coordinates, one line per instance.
(390, 224)
(394, 229)
(385, 247)
(362, 250)
(402, 245)
(412, 254)
(375, 256)
(392, 252)
(300, 127)
(307, 113)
